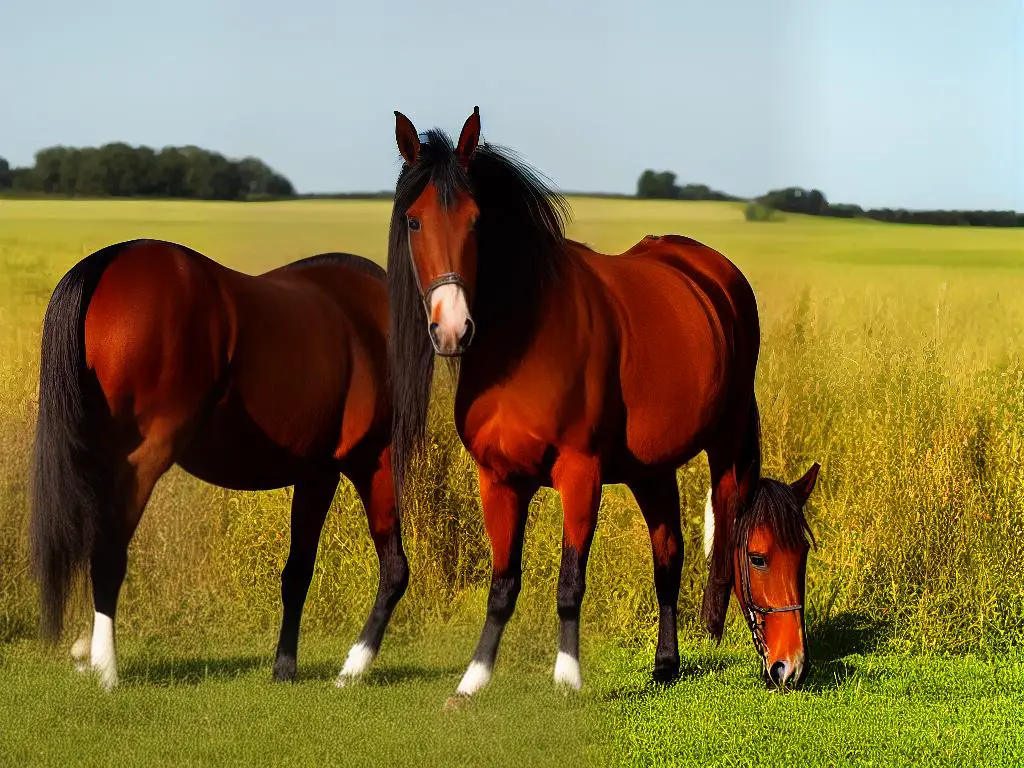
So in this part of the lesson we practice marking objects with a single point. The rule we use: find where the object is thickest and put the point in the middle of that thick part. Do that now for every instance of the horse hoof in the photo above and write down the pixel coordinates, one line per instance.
(346, 681)
(666, 672)
(284, 670)
(80, 654)
(456, 702)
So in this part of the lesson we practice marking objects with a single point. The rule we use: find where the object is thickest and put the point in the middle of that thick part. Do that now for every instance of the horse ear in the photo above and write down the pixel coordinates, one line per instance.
(469, 138)
(805, 485)
(408, 141)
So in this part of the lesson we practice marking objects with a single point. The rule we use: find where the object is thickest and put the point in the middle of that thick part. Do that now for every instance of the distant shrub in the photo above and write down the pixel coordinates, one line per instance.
(761, 212)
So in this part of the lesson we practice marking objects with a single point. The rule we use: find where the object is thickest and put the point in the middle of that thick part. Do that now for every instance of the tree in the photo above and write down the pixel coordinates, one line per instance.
(48, 168)
(657, 185)
(172, 173)
(6, 180)
(796, 200)
(121, 170)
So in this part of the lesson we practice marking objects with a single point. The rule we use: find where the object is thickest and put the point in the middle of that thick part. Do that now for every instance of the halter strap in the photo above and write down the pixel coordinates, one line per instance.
(448, 278)
(745, 586)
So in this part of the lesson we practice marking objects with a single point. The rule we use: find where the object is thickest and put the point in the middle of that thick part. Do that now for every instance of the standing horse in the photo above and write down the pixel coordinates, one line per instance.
(154, 355)
(578, 369)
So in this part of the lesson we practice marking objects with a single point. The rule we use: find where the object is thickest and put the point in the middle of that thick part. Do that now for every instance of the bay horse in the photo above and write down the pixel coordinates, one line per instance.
(575, 369)
(153, 355)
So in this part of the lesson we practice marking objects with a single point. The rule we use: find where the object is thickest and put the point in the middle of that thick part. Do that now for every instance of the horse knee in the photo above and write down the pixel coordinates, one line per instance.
(296, 576)
(502, 600)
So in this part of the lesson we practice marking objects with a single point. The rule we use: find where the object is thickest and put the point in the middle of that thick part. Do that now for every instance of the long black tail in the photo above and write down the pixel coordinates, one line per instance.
(68, 477)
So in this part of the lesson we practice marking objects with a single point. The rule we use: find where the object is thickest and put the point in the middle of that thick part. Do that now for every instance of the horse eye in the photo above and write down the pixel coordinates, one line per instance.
(414, 223)
(758, 561)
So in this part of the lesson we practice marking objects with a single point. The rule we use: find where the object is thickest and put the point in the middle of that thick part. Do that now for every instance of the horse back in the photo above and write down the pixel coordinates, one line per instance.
(250, 378)
(688, 340)
(310, 358)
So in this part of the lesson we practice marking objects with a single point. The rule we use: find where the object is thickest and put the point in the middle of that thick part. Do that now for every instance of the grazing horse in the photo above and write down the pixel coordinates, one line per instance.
(154, 355)
(577, 369)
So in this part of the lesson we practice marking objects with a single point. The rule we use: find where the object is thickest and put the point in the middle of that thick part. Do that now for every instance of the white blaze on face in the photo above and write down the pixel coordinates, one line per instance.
(450, 310)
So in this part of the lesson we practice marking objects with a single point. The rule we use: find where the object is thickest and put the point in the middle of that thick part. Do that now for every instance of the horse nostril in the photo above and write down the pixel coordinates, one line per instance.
(778, 672)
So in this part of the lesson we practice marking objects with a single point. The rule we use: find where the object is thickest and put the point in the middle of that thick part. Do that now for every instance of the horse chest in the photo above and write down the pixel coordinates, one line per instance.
(501, 436)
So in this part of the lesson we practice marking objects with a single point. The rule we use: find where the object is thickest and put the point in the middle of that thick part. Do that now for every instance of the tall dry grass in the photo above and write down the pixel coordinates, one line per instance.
(891, 355)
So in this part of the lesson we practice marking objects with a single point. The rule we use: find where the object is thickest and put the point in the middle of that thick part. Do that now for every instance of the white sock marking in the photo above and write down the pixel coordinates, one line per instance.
(103, 655)
(567, 671)
(709, 526)
(476, 677)
(359, 658)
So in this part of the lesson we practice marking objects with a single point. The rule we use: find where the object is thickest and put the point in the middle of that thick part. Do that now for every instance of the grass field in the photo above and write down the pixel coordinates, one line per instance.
(890, 354)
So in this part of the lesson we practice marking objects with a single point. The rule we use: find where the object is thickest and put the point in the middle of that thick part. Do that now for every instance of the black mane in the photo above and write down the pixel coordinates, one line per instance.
(777, 507)
(521, 241)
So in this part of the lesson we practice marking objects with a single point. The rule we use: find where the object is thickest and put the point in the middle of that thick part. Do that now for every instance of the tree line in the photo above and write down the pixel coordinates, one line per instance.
(120, 170)
(813, 202)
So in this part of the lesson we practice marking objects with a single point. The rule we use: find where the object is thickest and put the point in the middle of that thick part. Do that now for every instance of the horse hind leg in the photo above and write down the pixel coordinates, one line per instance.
(310, 505)
(735, 466)
(133, 484)
(376, 490)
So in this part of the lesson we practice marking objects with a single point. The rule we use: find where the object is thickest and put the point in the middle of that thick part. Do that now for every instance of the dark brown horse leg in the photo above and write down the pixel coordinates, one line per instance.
(310, 504)
(505, 505)
(722, 501)
(578, 481)
(376, 489)
(133, 485)
(658, 499)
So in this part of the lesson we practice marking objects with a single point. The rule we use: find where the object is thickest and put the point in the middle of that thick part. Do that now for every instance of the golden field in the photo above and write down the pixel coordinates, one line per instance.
(891, 354)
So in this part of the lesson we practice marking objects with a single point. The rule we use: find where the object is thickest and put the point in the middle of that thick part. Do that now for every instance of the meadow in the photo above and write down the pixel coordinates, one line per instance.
(891, 354)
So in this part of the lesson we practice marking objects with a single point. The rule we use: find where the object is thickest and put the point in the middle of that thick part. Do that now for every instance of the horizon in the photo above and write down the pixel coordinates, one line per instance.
(875, 106)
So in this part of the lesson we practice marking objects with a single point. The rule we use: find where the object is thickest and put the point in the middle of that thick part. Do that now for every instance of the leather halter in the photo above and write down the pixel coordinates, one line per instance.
(448, 278)
(754, 613)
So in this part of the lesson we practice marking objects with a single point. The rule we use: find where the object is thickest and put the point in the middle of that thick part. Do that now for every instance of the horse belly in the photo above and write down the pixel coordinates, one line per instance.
(674, 381)
(232, 450)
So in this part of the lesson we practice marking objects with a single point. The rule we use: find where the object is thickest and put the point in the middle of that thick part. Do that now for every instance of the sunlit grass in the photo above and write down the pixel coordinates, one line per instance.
(890, 354)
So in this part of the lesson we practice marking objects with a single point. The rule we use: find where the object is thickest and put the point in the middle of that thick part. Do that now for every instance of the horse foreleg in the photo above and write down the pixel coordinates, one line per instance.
(376, 489)
(310, 504)
(578, 481)
(658, 499)
(505, 506)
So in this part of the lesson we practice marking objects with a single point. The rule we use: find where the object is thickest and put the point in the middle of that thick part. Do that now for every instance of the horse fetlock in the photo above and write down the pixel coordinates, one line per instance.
(567, 671)
(476, 677)
(359, 658)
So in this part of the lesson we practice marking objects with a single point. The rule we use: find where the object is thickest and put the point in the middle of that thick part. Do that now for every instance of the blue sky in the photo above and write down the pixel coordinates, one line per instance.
(877, 102)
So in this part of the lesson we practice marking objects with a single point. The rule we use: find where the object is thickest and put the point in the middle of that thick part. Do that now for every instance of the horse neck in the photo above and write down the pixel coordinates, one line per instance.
(509, 315)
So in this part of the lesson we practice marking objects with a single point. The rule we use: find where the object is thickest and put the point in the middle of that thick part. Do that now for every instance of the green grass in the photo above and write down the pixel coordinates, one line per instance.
(890, 353)
(197, 705)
